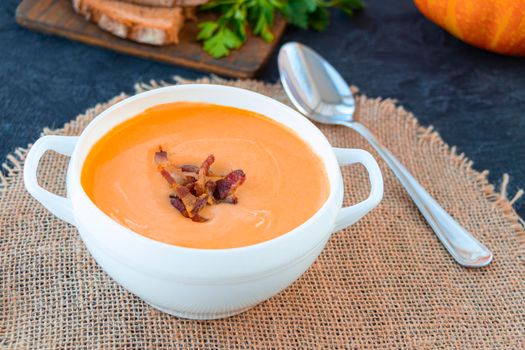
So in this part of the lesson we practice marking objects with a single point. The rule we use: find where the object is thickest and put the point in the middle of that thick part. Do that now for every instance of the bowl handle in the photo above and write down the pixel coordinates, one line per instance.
(349, 215)
(58, 205)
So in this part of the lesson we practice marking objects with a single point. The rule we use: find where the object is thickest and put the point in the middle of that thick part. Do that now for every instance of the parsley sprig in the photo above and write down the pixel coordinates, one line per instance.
(228, 32)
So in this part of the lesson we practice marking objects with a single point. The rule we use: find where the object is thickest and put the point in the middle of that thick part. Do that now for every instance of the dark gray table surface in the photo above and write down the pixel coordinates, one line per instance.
(475, 99)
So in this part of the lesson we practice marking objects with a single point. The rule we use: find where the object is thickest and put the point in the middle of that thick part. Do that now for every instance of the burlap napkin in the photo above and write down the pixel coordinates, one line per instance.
(384, 283)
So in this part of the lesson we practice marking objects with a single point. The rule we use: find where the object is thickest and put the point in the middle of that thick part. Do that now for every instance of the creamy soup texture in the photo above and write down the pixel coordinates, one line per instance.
(285, 180)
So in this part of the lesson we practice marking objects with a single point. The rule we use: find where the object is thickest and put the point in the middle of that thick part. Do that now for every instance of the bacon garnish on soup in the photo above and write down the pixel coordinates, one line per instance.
(194, 186)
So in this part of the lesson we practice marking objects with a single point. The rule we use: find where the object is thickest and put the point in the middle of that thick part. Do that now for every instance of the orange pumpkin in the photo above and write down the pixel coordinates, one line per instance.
(494, 25)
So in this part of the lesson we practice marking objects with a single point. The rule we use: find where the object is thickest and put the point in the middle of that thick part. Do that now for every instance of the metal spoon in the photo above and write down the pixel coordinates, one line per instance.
(319, 92)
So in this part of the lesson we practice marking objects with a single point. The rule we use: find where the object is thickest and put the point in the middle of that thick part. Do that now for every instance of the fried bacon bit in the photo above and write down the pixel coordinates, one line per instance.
(195, 187)
(161, 156)
(225, 189)
(189, 168)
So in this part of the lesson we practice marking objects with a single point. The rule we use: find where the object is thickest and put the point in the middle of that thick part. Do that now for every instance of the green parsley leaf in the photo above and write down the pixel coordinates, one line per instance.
(221, 42)
(230, 39)
(319, 19)
(215, 47)
(206, 30)
(347, 6)
(228, 32)
(261, 19)
(296, 12)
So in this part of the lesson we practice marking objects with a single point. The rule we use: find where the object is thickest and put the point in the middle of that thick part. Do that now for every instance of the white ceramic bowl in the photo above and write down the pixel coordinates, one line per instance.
(201, 283)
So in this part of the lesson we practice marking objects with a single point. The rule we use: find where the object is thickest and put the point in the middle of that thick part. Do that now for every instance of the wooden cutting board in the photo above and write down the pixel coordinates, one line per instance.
(58, 17)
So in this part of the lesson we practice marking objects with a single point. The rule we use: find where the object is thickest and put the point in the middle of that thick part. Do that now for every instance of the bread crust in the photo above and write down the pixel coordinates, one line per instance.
(147, 25)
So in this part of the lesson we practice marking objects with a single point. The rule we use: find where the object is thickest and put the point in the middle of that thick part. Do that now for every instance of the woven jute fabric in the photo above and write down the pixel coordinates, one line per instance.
(385, 282)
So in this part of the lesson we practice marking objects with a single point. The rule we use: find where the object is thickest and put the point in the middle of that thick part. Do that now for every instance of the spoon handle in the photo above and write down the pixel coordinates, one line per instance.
(465, 249)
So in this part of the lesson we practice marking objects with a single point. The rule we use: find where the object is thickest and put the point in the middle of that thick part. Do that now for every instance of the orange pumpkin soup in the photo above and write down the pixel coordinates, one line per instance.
(285, 180)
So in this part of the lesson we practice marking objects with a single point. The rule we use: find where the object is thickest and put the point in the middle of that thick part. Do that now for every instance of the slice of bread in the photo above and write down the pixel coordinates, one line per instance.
(168, 3)
(144, 24)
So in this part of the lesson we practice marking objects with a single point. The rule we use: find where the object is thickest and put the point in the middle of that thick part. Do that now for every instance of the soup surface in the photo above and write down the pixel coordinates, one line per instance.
(285, 180)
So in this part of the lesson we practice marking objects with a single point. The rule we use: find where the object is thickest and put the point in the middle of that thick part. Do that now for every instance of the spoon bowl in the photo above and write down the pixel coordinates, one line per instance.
(315, 88)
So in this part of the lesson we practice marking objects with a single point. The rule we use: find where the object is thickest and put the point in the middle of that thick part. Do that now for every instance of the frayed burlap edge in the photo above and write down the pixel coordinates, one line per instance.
(500, 199)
